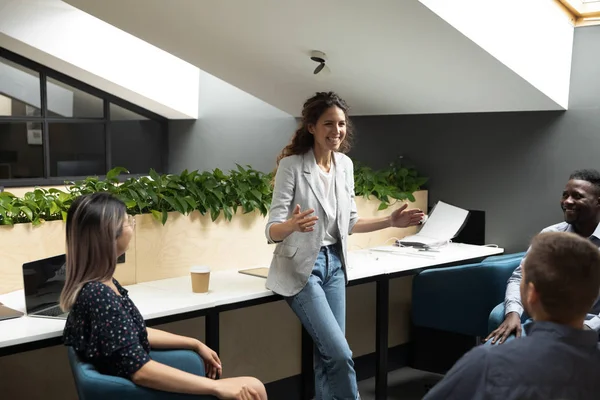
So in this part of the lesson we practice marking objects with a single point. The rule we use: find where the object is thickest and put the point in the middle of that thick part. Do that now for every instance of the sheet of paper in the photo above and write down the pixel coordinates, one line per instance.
(444, 222)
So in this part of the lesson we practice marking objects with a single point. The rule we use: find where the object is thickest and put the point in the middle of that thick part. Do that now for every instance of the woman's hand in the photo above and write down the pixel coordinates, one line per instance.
(212, 362)
(232, 391)
(301, 221)
(403, 218)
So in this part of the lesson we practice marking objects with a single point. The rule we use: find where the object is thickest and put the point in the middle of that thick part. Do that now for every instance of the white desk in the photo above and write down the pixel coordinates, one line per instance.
(172, 300)
(226, 287)
(396, 260)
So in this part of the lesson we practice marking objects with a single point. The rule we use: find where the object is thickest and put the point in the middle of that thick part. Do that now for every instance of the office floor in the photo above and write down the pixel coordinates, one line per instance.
(403, 384)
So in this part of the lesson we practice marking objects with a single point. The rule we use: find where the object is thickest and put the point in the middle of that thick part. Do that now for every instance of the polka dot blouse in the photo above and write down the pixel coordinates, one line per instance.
(107, 330)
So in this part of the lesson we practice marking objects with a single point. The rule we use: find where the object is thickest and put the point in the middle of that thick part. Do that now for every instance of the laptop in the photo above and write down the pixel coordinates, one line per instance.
(43, 281)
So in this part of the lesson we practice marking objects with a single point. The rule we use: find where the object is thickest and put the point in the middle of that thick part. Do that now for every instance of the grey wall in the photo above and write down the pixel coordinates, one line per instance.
(232, 127)
(512, 165)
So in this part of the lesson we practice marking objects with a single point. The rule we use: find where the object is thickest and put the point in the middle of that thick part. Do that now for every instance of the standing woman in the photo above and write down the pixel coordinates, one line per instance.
(312, 213)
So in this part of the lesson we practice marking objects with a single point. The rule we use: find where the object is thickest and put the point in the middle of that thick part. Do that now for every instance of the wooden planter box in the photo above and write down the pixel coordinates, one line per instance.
(159, 252)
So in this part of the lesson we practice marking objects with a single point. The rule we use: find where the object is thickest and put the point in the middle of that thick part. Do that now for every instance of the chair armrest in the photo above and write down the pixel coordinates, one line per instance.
(185, 360)
(92, 385)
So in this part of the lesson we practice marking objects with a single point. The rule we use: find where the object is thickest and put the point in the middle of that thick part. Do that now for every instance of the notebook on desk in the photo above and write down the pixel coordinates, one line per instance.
(261, 272)
(8, 313)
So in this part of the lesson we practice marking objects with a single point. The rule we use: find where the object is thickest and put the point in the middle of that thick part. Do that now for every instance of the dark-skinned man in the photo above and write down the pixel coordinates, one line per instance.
(580, 203)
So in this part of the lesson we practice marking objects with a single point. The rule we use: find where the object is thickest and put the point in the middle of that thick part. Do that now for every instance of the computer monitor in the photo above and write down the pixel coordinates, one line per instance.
(43, 281)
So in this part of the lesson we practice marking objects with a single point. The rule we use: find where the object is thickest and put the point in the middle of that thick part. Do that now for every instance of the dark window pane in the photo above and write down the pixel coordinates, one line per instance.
(118, 113)
(136, 142)
(21, 151)
(67, 101)
(77, 149)
(19, 90)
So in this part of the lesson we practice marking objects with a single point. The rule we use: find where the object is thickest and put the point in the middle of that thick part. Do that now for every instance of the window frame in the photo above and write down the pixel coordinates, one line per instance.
(107, 99)
(582, 14)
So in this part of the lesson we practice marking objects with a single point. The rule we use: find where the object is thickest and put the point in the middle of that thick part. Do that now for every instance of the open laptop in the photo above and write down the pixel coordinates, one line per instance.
(43, 281)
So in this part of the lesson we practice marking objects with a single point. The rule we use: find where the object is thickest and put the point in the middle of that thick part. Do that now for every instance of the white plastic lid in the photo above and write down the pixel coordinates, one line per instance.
(200, 269)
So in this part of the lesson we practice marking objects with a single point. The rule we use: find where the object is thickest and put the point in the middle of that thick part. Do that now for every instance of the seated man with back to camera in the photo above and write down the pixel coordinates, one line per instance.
(558, 359)
(580, 203)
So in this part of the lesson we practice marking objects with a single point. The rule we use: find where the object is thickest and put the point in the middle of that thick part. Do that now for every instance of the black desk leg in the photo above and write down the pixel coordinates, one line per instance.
(211, 328)
(307, 373)
(381, 339)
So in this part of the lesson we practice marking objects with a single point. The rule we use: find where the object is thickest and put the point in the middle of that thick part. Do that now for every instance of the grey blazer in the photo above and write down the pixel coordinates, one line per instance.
(297, 182)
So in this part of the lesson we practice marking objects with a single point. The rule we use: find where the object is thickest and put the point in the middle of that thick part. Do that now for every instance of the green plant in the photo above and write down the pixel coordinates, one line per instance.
(397, 182)
(208, 192)
(35, 207)
(212, 192)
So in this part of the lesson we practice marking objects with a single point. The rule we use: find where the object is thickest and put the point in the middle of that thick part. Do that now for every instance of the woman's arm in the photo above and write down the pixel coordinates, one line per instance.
(364, 225)
(164, 340)
(400, 218)
(279, 225)
(155, 375)
(301, 221)
(159, 376)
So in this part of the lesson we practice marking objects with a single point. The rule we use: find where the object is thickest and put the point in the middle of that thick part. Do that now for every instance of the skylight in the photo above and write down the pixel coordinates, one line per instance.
(585, 12)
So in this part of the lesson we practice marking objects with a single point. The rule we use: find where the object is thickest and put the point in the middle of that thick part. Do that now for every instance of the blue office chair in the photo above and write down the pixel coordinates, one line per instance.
(92, 385)
(459, 299)
(451, 307)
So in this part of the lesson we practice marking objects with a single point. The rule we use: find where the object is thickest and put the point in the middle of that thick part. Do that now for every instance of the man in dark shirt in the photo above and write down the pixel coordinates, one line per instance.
(558, 359)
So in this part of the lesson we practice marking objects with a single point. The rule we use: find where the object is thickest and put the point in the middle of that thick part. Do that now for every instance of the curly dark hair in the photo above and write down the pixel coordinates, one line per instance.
(313, 108)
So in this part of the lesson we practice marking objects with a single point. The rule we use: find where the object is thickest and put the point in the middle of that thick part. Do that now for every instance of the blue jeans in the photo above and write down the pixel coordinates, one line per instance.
(321, 307)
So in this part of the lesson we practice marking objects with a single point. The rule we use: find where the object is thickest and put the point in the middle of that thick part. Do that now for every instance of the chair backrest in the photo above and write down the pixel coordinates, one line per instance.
(500, 270)
(76, 369)
(459, 299)
(92, 385)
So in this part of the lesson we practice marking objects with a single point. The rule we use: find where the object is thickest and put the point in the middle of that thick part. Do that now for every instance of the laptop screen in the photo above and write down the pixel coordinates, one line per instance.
(43, 281)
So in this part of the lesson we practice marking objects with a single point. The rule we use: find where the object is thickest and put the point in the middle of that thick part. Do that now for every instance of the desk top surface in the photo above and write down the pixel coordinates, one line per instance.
(169, 297)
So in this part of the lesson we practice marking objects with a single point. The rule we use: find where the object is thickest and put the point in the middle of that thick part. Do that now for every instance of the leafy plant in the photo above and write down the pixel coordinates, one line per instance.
(212, 192)
(35, 207)
(397, 182)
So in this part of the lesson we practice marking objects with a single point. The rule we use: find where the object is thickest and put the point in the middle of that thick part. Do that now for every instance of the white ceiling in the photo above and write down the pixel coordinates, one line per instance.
(388, 57)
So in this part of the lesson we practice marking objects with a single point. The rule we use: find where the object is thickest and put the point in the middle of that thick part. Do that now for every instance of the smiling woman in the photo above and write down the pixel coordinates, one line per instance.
(584, 12)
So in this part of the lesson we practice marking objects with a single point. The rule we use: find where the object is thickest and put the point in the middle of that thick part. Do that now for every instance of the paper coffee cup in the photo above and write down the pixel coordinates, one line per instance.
(200, 278)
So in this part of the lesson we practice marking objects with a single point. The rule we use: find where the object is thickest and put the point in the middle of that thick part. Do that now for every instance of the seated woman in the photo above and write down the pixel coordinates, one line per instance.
(106, 329)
